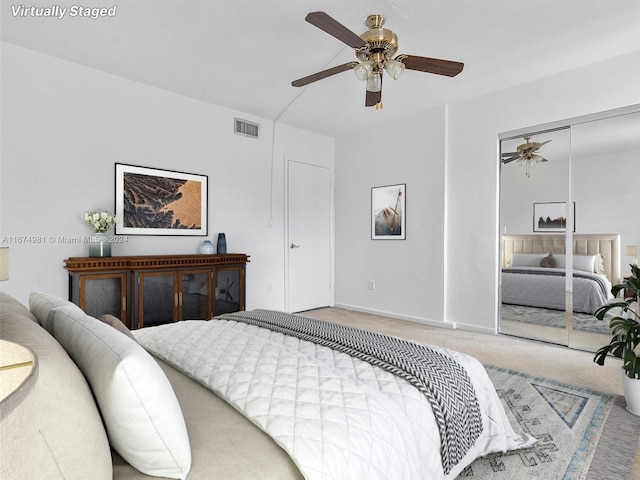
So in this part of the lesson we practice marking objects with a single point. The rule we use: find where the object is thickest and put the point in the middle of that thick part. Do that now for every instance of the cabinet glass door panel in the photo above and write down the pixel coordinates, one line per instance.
(195, 295)
(158, 298)
(104, 294)
(228, 290)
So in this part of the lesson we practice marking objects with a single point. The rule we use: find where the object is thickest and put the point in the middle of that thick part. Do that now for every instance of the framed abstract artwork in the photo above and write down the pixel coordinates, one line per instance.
(388, 212)
(150, 201)
(552, 217)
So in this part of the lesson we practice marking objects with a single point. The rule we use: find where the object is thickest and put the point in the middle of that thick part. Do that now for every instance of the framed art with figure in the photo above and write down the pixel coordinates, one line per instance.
(388, 212)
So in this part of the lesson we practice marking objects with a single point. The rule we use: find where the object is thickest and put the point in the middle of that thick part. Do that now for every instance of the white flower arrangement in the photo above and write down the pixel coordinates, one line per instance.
(99, 220)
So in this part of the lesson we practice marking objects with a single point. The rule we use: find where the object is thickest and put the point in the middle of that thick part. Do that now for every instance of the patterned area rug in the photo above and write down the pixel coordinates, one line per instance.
(553, 318)
(568, 423)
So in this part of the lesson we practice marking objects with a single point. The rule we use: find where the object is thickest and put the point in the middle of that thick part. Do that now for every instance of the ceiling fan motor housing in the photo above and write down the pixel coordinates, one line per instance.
(382, 43)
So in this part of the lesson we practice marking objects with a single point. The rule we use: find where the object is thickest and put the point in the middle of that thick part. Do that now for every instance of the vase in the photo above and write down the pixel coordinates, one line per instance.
(99, 245)
(222, 244)
(206, 248)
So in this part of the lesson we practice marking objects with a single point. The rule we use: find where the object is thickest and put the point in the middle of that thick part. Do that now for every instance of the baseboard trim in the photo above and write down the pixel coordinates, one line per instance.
(397, 316)
(476, 329)
(420, 320)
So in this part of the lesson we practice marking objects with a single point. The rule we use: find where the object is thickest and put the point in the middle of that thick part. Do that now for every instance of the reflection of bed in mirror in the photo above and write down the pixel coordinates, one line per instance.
(533, 285)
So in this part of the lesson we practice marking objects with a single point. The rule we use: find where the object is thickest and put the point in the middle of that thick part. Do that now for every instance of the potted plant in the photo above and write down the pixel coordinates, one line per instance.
(625, 336)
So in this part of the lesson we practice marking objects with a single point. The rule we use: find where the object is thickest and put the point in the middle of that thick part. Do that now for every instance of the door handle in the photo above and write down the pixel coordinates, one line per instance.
(293, 245)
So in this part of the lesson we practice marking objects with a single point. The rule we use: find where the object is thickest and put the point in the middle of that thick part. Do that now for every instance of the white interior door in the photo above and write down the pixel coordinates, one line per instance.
(309, 237)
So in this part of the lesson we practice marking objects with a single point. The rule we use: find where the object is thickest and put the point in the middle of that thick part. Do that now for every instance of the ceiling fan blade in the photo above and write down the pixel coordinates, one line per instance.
(431, 65)
(336, 29)
(544, 143)
(508, 154)
(301, 82)
(508, 160)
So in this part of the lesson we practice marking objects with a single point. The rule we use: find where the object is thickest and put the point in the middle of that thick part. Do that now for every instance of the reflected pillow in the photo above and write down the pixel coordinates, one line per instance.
(526, 259)
(599, 264)
(584, 263)
(549, 261)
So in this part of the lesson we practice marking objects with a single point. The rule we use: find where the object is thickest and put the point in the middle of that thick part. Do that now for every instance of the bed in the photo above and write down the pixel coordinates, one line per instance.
(257, 394)
(534, 266)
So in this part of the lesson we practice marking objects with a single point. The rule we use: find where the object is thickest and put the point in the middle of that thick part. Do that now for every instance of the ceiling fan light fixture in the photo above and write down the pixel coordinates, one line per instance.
(394, 68)
(374, 83)
(363, 70)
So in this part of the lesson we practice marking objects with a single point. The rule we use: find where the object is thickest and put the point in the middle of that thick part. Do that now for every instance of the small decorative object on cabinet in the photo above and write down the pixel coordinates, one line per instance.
(222, 244)
(100, 222)
(156, 289)
(99, 245)
(206, 248)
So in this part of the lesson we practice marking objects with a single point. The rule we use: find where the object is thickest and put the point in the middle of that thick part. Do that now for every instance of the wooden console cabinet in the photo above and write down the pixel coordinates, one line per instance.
(155, 289)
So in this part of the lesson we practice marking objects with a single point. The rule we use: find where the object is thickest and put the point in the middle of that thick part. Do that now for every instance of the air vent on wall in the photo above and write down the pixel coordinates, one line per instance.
(248, 129)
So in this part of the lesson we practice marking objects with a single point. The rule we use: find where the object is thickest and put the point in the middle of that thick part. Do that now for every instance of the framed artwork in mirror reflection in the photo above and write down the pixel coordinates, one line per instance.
(552, 217)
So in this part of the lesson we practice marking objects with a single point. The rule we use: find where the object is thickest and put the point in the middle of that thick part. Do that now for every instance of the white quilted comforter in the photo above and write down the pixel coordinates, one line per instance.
(337, 417)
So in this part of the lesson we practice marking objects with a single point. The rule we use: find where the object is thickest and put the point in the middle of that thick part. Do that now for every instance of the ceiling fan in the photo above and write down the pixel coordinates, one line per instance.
(525, 154)
(374, 50)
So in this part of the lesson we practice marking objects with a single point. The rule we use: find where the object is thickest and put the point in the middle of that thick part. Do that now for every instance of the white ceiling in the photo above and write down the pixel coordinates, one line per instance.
(243, 54)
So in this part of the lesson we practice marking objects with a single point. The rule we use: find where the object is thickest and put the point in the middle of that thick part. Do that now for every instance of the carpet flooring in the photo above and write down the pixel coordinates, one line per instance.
(553, 318)
(608, 443)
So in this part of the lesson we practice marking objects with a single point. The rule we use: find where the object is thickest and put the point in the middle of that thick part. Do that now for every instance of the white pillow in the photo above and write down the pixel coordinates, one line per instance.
(585, 263)
(41, 305)
(143, 418)
(526, 259)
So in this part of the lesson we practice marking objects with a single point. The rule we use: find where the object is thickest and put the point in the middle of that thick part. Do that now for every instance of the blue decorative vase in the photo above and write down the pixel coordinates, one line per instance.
(222, 244)
(206, 248)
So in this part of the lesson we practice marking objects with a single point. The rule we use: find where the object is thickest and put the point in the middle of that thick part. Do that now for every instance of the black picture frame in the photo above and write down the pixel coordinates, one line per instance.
(153, 201)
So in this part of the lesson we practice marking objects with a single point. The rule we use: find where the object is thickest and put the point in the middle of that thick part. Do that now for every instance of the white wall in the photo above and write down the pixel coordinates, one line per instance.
(64, 126)
(408, 274)
(446, 270)
(472, 191)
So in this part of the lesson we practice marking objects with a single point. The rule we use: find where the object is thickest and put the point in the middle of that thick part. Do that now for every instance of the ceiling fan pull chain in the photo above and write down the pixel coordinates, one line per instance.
(379, 106)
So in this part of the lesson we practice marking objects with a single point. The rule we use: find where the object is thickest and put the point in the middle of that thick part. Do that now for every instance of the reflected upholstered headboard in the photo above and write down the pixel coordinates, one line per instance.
(583, 244)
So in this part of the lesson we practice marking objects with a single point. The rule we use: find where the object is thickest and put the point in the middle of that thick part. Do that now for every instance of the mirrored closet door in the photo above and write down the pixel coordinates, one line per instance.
(566, 219)
(533, 195)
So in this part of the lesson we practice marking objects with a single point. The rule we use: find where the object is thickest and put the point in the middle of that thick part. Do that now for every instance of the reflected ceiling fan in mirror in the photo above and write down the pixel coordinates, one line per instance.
(526, 154)
(374, 50)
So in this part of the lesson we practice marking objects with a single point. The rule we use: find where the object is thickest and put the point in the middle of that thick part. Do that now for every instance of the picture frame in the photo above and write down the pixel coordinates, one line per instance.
(552, 217)
(152, 201)
(388, 219)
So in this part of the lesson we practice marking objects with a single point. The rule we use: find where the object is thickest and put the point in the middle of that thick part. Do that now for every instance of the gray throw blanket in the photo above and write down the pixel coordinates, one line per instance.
(443, 381)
